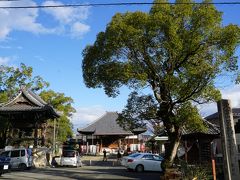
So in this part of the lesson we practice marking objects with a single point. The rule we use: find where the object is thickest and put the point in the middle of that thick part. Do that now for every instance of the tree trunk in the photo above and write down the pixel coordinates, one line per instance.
(166, 114)
(3, 139)
(2, 142)
(171, 149)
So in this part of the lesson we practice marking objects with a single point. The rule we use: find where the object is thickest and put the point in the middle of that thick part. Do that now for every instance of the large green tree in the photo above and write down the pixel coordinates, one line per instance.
(174, 50)
(62, 104)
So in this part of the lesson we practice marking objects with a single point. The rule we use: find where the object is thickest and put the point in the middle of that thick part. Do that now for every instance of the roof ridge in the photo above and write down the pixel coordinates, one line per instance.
(12, 100)
(37, 97)
(29, 95)
(95, 121)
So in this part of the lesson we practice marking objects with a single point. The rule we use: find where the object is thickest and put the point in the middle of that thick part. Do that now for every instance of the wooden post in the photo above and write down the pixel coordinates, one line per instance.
(185, 147)
(213, 162)
(101, 145)
(35, 135)
(43, 134)
(54, 136)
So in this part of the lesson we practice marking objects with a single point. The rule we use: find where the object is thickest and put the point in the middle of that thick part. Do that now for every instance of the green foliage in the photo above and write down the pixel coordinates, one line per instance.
(59, 101)
(196, 171)
(62, 104)
(138, 111)
(12, 78)
(187, 116)
(174, 51)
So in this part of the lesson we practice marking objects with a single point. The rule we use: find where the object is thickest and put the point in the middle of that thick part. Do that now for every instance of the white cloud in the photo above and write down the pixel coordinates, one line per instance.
(232, 93)
(66, 15)
(39, 58)
(28, 19)
(78, 29)
(20, 19)
(86, 115)
(5, 47)
(4, 60)
(70, 19)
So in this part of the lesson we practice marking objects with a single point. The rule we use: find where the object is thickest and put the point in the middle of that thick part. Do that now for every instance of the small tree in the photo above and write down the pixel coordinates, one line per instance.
(176, 51)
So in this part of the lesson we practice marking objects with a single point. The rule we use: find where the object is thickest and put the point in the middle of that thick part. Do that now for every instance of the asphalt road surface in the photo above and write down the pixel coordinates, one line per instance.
(82, 173)
(93, 168)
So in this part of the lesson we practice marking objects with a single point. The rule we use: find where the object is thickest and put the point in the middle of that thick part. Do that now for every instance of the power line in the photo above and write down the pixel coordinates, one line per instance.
(111, 4)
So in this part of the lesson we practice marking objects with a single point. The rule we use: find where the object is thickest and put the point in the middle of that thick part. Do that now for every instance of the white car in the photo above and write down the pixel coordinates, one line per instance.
(70, 158)
(142, 162)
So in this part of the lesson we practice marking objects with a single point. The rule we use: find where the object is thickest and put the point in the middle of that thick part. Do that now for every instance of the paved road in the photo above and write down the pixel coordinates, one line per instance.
(98, 170)
(82, 173)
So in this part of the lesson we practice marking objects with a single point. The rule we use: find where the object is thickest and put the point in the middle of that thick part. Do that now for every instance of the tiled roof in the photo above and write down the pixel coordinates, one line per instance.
(27, 101)
(235, 111)
(212, 129)
(105, 125)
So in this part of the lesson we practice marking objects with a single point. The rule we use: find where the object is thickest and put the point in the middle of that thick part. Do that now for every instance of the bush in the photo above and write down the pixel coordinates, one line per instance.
(190, 172)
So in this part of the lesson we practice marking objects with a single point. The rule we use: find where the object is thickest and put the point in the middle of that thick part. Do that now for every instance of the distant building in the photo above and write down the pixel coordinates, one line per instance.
(213, 118)
(106, 133)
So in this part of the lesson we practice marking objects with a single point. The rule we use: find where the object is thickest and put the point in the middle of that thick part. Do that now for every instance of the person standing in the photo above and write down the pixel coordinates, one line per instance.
(119, 156)
(104, 155)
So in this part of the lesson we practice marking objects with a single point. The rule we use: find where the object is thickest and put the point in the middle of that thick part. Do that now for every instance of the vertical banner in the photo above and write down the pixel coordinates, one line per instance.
(229, 145)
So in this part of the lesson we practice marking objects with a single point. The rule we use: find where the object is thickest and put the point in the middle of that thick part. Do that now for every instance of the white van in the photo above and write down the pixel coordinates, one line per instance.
(20, 158)
(70, 158)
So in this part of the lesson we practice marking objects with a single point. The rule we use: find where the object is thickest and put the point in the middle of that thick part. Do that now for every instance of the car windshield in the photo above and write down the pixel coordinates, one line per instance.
(5, 154)
(134, 155)
(158, 158)
(68, 153)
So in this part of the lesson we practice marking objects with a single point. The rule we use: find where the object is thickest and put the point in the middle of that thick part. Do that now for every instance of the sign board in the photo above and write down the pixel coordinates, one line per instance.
(161, 138)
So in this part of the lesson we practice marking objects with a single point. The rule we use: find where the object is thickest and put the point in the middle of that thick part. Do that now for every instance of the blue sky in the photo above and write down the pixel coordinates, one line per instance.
(51, 41)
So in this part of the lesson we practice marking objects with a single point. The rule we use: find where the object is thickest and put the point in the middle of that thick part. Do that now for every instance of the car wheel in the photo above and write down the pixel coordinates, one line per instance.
(22, 166)
(139, 168)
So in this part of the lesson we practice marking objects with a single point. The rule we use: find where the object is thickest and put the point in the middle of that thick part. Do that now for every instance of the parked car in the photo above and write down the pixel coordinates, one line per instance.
(4, 164)
(19, 158)
(142, 162)
(70, 158)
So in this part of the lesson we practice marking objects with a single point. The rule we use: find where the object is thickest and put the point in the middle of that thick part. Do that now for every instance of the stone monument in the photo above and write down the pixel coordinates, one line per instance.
(229, 145)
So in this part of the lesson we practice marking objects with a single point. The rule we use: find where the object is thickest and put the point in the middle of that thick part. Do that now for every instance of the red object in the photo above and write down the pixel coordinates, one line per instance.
(214, 169)
(130, 160)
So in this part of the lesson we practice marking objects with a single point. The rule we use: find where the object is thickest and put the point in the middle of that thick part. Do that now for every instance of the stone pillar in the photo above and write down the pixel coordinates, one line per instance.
(229, 145)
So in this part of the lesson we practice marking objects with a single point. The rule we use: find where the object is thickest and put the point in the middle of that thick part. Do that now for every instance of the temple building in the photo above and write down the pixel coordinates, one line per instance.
(106, 133)
(214, 118)
(27, 115)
